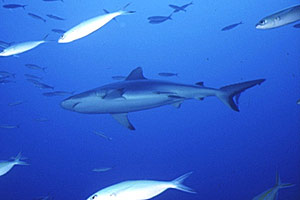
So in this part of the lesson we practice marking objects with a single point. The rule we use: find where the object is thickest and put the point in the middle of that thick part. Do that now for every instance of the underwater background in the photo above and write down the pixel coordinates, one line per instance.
(233, 155)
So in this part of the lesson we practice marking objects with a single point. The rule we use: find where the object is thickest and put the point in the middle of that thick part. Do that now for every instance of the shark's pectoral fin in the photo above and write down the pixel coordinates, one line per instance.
(122, 118)
(118, 93)
(175, 97)
(177, 104)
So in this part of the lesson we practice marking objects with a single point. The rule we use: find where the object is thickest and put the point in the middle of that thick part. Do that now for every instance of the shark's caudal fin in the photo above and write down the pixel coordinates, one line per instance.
(282, 185)
(178, 183)
(226, 94)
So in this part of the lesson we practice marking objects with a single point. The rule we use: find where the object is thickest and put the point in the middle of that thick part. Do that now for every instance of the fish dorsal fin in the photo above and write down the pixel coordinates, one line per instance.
(136, 74)
(106, 11)
(122, 118)
(200, 83)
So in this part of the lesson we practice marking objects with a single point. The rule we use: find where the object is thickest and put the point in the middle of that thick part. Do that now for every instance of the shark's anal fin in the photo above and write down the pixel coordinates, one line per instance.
(122, 118)
(118, 93)
(177, 104)
(136, 74)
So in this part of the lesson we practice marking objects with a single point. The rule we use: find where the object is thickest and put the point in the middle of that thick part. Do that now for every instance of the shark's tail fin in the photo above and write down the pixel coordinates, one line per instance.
(226, 94)
(178, 183)
(282, 185)
(18, 161)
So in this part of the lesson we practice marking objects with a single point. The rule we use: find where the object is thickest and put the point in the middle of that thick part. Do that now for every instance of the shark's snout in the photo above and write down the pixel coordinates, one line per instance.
(69, 103)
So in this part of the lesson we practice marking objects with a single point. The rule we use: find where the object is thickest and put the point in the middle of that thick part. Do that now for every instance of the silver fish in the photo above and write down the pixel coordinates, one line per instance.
(102, 169)
(36, 67)
(36, 17)
(54, 17)
(57, 93)
(7, 126)
(167, 74)
(227, 28)
(280, 18)
(102, 135)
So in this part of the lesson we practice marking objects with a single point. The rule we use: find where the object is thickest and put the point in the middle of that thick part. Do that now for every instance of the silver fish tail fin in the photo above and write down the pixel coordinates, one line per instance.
(226, 94)
(178, 183)
(282, 185)
(17, 160)
(124, 12)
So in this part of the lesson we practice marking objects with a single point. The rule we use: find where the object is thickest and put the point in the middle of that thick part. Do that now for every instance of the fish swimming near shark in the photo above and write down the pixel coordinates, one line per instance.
(55, 17)
(140, 189)
(35, 16)
(280, 18)
(6, 166)
(272, 193)
(138, 93)
(22, 47)
(13, 6)
(159, 19)
(232, 26)
(180, 8)
(91, 25)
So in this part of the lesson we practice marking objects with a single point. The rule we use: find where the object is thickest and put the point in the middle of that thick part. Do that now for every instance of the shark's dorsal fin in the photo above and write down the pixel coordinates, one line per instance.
(122, 118)
(136, 74)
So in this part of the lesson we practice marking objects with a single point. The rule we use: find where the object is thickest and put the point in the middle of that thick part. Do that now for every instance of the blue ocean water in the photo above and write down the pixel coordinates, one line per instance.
(233, 155)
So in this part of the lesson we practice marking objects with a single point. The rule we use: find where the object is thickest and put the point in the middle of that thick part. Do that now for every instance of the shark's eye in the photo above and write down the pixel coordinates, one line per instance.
(94, 197)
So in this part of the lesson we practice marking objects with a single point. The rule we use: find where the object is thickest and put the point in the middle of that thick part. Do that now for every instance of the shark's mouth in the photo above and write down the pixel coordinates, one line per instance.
(76, 104)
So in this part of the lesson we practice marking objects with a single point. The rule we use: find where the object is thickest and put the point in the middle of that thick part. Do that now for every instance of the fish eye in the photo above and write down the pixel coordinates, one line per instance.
(94, 197)
(263, 21)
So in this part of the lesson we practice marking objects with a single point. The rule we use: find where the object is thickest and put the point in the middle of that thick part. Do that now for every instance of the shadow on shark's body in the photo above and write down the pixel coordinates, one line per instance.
(138, 93)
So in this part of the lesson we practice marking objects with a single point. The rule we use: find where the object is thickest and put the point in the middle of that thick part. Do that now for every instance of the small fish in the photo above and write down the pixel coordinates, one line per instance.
(118, 77)
(272, 193)
(58, 31)
(180, 8)
(22, 47)
(7, 74)
(55, 17)
(89, 26)
(6, 166)
(140, 189)
(159, 19)
(41, 119)
(280, 18)
(16, 103)
(298, 102)
(102, 169)
(6, 126)
(227, 28)
(36, 67)
(57, 93)
(36, 17)
(102, 135)
(167, 74)
(13, 6)
(33, 76)
(39, 84)
(3, 81)
(53, 0)
(296, 26)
